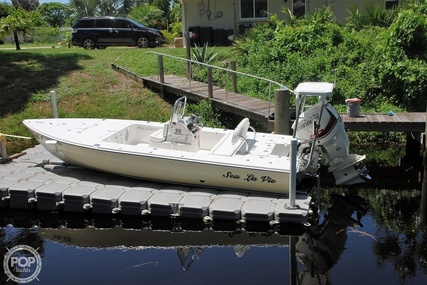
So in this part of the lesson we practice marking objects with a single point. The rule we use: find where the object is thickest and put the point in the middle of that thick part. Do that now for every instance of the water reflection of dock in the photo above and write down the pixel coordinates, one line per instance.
(37, 180)
(317, 249)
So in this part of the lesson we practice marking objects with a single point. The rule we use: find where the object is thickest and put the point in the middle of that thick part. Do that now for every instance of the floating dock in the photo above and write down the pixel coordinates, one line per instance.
(38, 180)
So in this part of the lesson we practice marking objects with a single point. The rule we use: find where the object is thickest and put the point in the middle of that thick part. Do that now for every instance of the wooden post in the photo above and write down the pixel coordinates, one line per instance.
(188, 54)
(281, 111)
(161, 68)
(210, 82)
(4, 156)
(161, 75)
(234, 76)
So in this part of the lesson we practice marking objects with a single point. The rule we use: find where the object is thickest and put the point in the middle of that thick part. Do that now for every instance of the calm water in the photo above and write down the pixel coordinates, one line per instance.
(374, 235)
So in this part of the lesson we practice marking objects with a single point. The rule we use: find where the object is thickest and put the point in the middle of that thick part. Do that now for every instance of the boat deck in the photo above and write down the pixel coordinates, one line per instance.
(38, 180)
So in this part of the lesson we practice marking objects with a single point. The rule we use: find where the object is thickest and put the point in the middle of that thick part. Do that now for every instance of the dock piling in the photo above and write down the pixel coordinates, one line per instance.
(281, 111)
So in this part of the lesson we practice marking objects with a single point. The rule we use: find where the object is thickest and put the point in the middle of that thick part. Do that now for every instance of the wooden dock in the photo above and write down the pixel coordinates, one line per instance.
(260, 110)
(398, 122)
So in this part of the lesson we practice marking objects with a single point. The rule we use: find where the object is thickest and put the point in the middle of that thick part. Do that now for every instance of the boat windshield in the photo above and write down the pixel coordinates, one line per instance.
(179, 109)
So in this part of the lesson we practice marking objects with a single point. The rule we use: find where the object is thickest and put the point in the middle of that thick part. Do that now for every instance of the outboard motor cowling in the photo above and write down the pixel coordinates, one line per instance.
(323, 137)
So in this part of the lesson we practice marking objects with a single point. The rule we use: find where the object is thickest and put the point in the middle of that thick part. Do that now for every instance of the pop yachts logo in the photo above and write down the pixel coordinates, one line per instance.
(22, 264)
(250, 177)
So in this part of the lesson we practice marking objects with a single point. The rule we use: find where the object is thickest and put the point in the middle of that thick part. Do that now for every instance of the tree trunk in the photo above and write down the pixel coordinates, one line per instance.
(15, 36)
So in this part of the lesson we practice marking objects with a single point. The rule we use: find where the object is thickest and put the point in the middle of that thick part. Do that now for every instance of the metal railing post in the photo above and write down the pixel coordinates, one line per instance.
(53, 100)
(293, 173)
(210, 82)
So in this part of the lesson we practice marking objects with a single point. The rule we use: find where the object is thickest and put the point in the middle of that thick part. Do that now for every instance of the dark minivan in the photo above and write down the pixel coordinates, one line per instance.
(101, 32)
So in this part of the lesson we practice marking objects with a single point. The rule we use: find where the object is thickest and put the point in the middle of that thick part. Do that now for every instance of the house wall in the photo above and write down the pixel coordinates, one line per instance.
(196, 13)
(340, 7)
(219, 14)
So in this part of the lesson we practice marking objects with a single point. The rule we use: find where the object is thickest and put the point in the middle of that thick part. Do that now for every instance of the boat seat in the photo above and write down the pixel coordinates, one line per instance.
(160, 134)
(231, 142)
(225, 146)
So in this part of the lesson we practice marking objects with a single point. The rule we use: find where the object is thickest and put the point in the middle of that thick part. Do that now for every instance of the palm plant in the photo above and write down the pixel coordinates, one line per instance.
(203, 55)
(19, 21)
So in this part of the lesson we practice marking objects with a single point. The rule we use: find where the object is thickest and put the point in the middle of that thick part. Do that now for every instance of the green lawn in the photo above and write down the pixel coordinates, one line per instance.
(85, 84)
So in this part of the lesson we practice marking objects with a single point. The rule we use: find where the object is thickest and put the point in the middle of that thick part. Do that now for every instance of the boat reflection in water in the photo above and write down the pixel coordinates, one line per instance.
(317, 248)
(321, 250)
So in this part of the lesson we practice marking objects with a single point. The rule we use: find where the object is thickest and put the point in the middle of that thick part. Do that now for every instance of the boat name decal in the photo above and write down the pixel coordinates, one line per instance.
(250, 177)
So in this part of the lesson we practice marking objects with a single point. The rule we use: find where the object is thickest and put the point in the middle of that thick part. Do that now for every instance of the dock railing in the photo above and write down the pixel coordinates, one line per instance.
(228, 73)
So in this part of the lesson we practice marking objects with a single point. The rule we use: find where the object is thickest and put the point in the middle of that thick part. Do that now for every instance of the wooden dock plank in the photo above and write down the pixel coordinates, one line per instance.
(257, 109)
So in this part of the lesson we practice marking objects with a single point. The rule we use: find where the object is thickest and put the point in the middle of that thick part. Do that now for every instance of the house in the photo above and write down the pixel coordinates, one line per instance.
(219, 21)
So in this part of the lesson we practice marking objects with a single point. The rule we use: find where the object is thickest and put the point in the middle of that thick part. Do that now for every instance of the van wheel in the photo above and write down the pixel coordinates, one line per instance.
(142, 42)
(88, 44)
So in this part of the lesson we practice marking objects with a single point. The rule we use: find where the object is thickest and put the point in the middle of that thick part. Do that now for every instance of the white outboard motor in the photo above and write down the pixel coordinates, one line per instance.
(322, 136)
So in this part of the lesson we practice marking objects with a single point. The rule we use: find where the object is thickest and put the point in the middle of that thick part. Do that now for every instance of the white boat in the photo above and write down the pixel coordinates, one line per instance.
(182, 151)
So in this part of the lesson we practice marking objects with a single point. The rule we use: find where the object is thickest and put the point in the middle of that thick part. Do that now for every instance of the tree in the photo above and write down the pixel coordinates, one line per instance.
(27, 5)
(147, 15)
(90, 8)
(53, 13)
(18, 21)
(163, 5)
(83, 8)
(175, 14)
(109, 7)
(4, 9)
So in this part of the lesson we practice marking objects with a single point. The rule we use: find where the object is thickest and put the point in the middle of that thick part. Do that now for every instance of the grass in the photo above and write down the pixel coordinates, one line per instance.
(85, 84)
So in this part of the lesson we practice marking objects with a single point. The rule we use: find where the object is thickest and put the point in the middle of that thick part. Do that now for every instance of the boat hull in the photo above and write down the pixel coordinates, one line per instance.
(180, 167)
(163, 169)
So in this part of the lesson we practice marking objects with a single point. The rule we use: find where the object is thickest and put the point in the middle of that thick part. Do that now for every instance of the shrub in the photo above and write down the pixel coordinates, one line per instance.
(381, 60)
(47, 35)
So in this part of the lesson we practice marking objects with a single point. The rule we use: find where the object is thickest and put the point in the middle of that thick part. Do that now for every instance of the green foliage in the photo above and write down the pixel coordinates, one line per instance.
(147, 15)
(176, 29)
(83, 8)
(176, 14)
(378, 56)
(47, 35)
(408, 33)
(53, 13)
(374, 15)
(18, 21)
(4, 9)
(207, 113)
(321, 16)
(203, 55)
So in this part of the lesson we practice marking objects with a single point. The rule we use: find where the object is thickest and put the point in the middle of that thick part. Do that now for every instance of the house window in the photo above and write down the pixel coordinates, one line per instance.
(298, 8)
(253, 9)
(391, 4)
